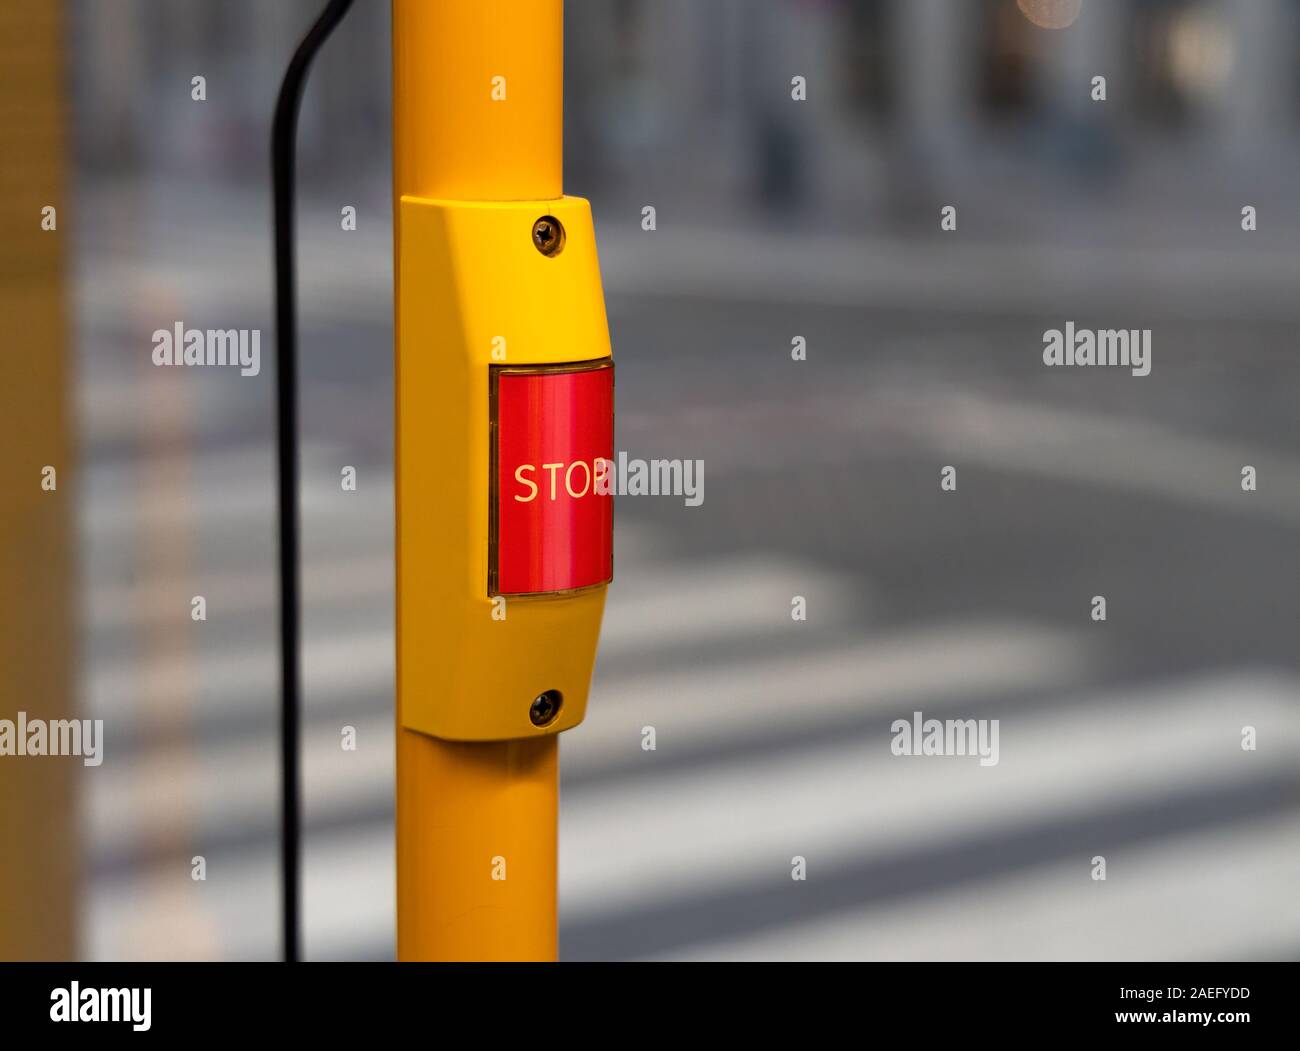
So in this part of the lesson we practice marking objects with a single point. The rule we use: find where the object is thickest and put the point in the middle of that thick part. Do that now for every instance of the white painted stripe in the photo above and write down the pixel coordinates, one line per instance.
(723, 599)
(694, 830)
(226, 785)
(1226, 894)
(653, 612)
(715, 703)
(348, 900)
(141, 603)
(1135, 455)
(243, 681)
(228, 488)
(1075, 445)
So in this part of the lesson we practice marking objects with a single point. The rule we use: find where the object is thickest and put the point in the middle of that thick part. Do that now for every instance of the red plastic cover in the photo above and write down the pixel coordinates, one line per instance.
(553, 506)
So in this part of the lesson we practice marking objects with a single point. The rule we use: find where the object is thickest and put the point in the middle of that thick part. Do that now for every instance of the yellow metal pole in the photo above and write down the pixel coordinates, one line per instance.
(459, 133)
(476, 820)
(469, 811)
(38, 845)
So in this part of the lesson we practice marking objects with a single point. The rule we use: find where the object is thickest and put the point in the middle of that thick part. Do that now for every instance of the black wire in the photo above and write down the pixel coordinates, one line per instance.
(284, 134)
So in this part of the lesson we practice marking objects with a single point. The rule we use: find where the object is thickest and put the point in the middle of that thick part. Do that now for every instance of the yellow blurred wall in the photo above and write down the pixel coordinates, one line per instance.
(37, 826)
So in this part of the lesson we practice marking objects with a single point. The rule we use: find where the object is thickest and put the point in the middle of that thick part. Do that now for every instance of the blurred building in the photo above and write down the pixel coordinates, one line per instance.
(935, 81)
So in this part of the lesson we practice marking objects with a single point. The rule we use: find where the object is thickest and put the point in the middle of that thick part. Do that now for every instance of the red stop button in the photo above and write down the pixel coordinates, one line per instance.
(552, 493)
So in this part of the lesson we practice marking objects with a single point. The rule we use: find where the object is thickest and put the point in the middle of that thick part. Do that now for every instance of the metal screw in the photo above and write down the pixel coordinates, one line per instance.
(545, 707)
(548, 235)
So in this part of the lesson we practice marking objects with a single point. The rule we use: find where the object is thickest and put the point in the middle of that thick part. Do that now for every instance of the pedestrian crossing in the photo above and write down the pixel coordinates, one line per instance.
(771, 742)
(845, 801)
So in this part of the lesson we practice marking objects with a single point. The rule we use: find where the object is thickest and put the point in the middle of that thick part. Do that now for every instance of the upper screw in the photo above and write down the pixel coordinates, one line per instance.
(548, 235)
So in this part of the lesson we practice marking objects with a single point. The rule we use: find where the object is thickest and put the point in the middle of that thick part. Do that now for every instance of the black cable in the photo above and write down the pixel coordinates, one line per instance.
(284, 135)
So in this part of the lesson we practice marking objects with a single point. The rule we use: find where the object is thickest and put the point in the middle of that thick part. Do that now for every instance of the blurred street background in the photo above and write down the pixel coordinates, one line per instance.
(775, 219)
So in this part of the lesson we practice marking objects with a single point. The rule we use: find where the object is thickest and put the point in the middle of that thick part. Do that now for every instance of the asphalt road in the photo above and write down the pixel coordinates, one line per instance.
(1119, 739)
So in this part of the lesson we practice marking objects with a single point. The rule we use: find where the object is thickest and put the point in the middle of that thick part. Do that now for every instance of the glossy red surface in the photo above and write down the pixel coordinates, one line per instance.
(555, 445)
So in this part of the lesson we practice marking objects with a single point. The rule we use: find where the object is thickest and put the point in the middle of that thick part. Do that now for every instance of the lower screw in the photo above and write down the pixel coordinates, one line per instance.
(545, 707)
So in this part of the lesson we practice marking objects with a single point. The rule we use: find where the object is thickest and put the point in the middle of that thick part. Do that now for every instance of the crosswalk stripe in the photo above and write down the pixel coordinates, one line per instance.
(626, 843)
(1152, 905)
(710, 702)
(726, 601)
(940, 667)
